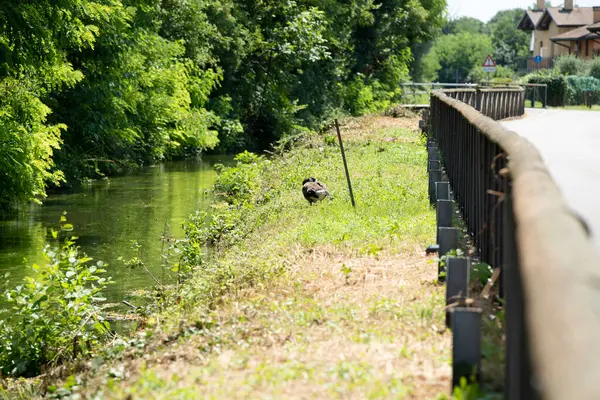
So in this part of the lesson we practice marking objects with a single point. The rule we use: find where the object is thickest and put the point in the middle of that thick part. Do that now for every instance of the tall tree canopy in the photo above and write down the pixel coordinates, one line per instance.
(90, 87)
(453, 57)
(510, 44)
(458, 54)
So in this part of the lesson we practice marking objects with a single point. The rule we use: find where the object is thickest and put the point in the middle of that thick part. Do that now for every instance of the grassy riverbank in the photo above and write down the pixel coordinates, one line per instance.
(299, 301)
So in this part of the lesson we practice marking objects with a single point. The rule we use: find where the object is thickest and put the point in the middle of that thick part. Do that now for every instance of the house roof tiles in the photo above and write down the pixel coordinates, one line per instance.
(578, 16)
(575, 34)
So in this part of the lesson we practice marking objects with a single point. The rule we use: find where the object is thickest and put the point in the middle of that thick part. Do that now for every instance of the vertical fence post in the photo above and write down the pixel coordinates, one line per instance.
(466, 345)
(448, 240)
(442, 191)
(435, 175)
(444, 213)
(433, 165)
(337, 126)
(457, 286)
(545, 96)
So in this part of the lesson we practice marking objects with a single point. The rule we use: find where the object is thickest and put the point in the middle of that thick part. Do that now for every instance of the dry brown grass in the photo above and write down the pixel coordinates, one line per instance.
(374, 128)
(317, 334)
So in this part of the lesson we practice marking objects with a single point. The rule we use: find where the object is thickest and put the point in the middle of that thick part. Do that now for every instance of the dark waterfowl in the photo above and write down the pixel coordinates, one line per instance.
(314, 190)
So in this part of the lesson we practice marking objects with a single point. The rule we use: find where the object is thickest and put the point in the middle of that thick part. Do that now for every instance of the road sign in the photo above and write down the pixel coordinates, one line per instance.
(489, 65)
(537, 59)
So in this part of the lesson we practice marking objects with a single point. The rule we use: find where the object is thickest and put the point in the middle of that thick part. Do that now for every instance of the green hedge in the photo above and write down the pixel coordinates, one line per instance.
(557, 88)
(577, 85)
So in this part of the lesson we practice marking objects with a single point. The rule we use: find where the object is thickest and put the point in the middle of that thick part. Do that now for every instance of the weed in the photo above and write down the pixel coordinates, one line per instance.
(54, 315)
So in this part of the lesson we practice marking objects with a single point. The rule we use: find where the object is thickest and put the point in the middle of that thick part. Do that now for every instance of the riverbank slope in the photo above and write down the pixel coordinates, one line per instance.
(301, 301)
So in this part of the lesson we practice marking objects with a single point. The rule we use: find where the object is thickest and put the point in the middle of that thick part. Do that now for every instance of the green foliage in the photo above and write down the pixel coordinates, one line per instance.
(568, 64)
(27, 144)
(453, 57)
(118, 84)
(594, 67)
(502, 75)
(481, 273)
(510, 44)
(465, 25)
(260, 197)
(557, 85)
(458, 55)
(578, 85)
(55, 314)
(241, 184)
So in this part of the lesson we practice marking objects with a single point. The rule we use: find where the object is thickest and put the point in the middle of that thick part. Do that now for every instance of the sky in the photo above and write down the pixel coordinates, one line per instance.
(484, 10)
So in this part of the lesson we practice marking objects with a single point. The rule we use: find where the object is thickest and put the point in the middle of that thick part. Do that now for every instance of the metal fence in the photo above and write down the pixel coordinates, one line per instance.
(483, 96)
(536, 94)
(417, 92)
(494, 103)
(529, 65)
(521, 224)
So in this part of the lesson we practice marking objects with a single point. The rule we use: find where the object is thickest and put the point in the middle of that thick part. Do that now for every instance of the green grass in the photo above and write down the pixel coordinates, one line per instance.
(538, 104)
(409, 98)
(321, 301)
(581, 108)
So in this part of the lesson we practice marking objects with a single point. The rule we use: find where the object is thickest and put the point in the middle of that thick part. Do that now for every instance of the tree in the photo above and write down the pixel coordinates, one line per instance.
(510, 44)
(465, 24)
(95, 86)
(36, 39)
(452, 57)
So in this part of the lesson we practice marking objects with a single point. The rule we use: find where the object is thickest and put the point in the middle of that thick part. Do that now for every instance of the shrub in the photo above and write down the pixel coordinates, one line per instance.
(55, 315)
(567, 64)
(502, 75)
(557, 86)
(240, 183)
(578, 85)
(594, 67)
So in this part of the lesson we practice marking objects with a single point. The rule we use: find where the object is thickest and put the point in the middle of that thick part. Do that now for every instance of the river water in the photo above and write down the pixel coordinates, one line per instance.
(108, 215)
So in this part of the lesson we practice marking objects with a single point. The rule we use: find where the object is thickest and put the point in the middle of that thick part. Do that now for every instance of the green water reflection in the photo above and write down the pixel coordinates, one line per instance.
(108, 215)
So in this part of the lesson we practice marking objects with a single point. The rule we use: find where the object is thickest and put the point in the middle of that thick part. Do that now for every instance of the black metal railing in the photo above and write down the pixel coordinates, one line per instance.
(520, 224)
(494, 103)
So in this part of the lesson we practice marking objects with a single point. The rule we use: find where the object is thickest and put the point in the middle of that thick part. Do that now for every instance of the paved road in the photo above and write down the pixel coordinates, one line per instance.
(569, 142)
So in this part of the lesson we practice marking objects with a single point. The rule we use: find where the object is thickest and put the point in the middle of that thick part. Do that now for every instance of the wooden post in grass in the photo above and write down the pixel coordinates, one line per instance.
(337, 127)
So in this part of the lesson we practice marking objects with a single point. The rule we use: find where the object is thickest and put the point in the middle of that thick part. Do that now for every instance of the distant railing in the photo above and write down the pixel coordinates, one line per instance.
(416, 92)
(528, 64)
(522, 225)
(485, 97)
(494, 103)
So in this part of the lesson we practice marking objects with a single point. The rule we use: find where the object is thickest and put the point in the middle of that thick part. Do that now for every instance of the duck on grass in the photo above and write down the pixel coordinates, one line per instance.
(314, 190)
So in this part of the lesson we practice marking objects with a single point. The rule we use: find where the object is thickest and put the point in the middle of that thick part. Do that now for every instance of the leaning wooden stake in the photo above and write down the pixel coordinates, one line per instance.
(337, 126)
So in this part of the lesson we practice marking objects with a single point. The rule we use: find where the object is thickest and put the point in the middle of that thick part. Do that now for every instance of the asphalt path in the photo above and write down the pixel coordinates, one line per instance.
(569, 142)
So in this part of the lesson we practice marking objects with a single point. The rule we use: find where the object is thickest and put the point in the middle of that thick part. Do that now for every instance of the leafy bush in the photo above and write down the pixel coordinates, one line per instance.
(578, 85)
(502, 75)
(241, 188)
(55, 315)
(594, 67)
(27, 144)
(240, 184)
(557, 86)
(568, 64)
